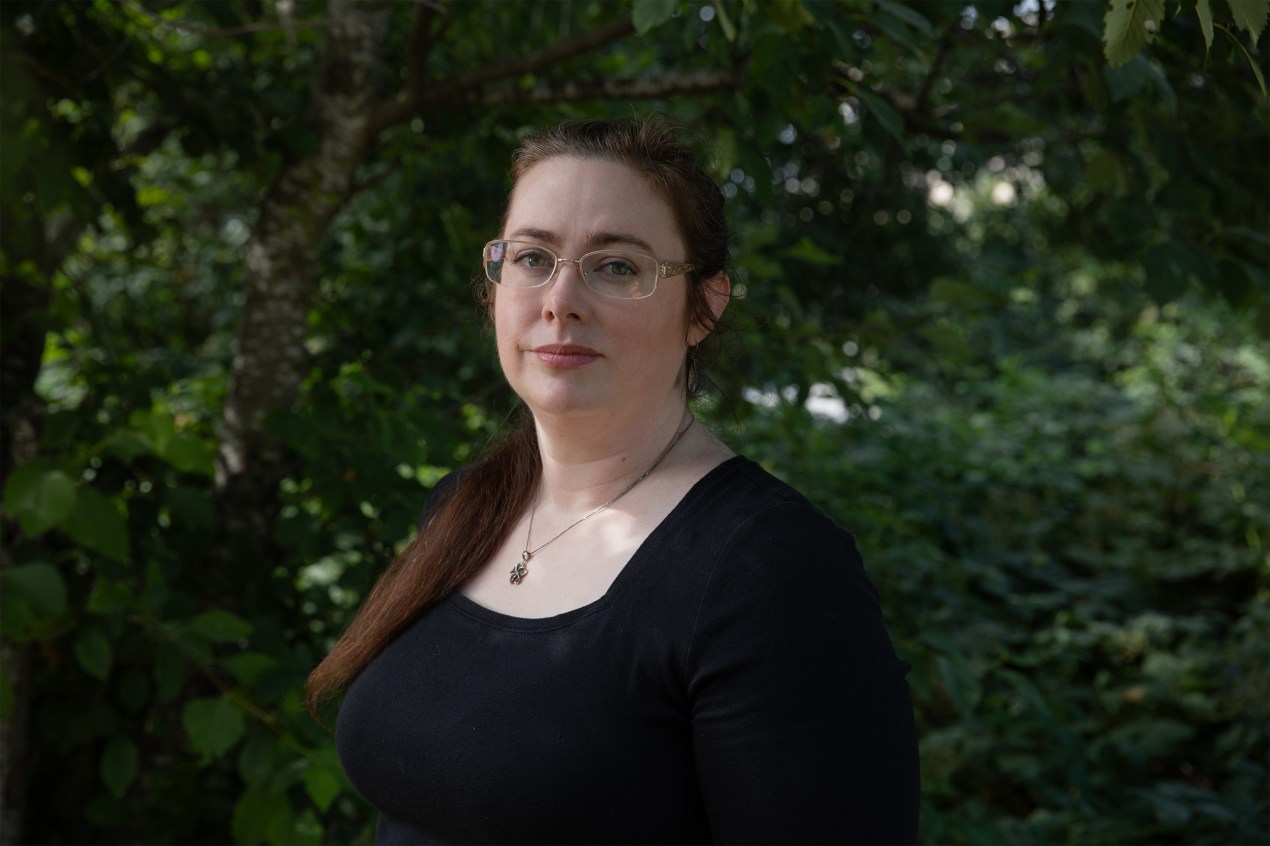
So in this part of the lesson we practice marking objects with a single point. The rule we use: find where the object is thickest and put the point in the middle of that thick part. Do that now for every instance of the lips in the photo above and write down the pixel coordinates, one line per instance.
(565, 356)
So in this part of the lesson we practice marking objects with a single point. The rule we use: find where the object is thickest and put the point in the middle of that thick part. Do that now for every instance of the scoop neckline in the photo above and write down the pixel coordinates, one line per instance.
(471, 608)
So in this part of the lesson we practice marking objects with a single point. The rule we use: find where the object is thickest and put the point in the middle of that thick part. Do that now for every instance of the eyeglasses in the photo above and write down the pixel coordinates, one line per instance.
(621, 274)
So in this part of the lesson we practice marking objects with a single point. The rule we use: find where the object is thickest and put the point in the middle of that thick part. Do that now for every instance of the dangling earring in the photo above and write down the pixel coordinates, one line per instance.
(693, 384)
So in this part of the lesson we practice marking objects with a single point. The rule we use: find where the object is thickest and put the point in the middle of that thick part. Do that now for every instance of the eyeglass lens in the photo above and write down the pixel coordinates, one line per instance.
(614, 273)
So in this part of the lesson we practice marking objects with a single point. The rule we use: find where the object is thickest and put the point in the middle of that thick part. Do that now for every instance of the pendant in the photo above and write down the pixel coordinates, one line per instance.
(519, 571)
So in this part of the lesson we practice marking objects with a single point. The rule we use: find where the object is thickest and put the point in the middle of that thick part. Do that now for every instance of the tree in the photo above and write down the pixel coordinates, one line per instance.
(239, 340)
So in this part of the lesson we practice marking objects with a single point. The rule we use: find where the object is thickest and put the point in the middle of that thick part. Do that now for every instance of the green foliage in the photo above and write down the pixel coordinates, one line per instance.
(647, 14)
(39, 496)
(1131, 25)
(119, 765)
(1024, 283)
(1066, 518)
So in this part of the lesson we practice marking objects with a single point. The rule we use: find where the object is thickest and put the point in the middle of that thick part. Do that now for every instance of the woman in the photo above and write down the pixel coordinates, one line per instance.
(611, 628)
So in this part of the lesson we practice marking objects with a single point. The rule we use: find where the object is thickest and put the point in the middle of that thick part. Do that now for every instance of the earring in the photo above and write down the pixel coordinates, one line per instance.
(694, 384)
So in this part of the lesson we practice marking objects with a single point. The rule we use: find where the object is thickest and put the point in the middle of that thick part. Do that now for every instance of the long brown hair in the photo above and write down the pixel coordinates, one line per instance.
(465, 531)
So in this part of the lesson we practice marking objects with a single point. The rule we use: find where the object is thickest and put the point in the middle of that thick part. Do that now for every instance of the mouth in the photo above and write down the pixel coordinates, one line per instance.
(565, 356)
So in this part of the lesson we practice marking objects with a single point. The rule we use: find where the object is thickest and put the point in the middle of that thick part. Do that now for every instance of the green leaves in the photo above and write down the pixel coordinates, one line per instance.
(219, 626)
(93, 652)
(118, 766)
(39, 495)
(1249, 15)
(212, 726)
(322, 784)
(1205, 13)
(184, 450)
(648, 14)
(1130, 25)
(885, 113)
(96, 524)
(1025, 464)
(32, 599)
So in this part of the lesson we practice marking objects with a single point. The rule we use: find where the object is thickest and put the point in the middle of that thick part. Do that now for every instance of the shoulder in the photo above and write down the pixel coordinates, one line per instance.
(777, 572)
(757, 519)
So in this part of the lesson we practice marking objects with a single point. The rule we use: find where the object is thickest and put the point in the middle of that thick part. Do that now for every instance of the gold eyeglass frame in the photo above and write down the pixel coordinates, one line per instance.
(665, 269)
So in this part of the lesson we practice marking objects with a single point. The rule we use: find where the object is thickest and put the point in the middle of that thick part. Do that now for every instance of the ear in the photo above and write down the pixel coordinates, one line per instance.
(718, 290)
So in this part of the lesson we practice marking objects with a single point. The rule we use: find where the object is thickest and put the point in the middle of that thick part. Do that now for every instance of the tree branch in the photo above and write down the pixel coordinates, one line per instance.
(421, 41)
(636, 88)
(408, 103)
(923, 96)
(246, 29)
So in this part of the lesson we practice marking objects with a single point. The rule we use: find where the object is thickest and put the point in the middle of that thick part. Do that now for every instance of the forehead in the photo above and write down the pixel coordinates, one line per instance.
(573, 199)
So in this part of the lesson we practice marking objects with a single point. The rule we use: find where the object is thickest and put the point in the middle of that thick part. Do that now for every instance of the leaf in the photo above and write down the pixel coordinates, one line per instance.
(39, 496)
(248, 666)
(960, 682)
(118, 766)
(809, 251)
(16, 620)
(1105, 173)
(156, 429)
(1126, 79)
(910, 16)
(1256, 71)
(1171, 266)
(190, 454)
(255, 759)
(646, 14)
(212, 726)
(1250, 15)
(220, 626)
(255, 811)
(729, 28)
(885, 113)
(322, 785)
(109, 596)
(1128, 26)
(773, 65)
(93, 652)
(789, 15)
(96, 524)
(1205, 13)
(306, 830)
(39, 585)
(32, 601)
(950, 291)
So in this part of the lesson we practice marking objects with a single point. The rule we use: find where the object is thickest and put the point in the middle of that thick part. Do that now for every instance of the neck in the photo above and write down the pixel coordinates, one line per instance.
(584, 466)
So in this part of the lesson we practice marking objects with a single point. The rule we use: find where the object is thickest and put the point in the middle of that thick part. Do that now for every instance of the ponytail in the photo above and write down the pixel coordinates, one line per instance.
(462, 534)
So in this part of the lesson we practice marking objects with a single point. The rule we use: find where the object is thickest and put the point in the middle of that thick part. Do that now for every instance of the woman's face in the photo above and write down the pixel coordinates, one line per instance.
(565, 349)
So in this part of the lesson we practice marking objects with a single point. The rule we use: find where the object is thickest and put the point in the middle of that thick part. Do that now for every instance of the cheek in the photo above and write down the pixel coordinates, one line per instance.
(506, 317)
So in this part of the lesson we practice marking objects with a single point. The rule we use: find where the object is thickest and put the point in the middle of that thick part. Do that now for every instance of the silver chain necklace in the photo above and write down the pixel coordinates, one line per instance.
(520, 570)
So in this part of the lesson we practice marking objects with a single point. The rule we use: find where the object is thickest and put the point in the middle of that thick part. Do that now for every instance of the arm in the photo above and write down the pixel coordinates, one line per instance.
(802, 723)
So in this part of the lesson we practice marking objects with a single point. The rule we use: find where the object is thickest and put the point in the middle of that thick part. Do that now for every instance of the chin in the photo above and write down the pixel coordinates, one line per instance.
(560, 399)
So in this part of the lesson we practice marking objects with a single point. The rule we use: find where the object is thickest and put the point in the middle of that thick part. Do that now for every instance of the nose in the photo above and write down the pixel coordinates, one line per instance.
(566, 297)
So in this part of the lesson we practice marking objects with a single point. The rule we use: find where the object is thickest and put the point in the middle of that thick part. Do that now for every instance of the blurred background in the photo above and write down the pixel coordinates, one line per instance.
(1003, 274)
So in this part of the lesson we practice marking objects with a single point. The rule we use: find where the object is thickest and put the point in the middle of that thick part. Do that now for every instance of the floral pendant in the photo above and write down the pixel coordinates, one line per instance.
(519, 571)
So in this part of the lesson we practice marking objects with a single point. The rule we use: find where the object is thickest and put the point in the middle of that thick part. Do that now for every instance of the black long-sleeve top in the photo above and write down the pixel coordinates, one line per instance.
(735, 684)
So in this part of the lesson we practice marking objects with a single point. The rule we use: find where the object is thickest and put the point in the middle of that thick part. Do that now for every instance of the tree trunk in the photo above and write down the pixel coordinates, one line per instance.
(24, 318)
(281, 269)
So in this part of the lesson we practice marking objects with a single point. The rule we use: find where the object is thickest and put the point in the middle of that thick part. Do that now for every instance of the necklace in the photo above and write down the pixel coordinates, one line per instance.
(520, 570)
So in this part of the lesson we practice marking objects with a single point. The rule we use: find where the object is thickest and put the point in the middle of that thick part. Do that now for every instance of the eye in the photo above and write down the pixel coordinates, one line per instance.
(532, 259)
(615, 267)
(618, 267)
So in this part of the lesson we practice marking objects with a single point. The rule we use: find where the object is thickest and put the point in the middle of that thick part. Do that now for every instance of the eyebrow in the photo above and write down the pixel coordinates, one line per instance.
(595, 240)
